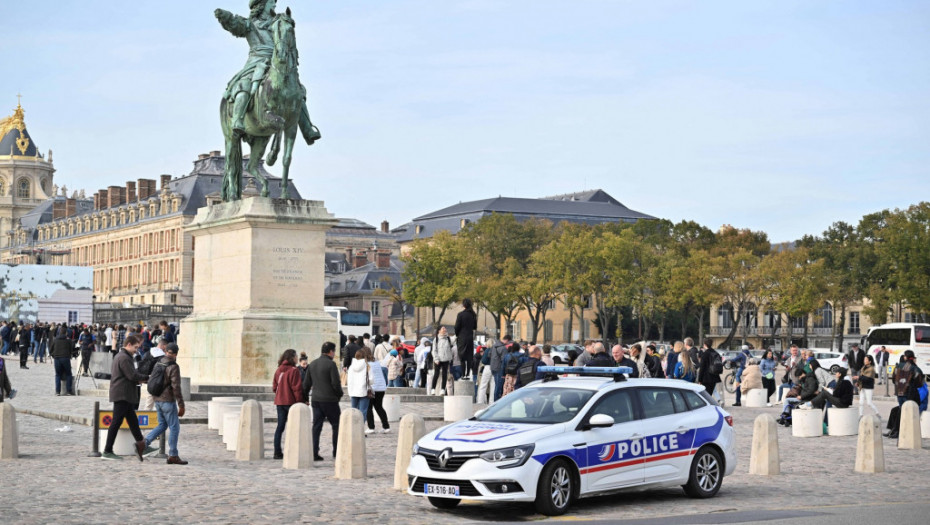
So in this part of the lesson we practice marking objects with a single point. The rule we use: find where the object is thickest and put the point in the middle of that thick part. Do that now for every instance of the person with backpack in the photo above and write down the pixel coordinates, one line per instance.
(710, 369)
(494, 382)
(529, 372)
(684, 368)
(741, 361)
(908, 378)
(146, 366)
(511, 365)
(165, 386)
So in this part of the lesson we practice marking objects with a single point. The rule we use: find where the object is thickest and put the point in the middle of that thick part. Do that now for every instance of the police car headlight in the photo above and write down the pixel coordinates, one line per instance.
(509, 457)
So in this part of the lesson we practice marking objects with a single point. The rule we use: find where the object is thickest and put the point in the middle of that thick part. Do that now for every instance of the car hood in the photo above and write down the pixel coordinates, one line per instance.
(471, 435)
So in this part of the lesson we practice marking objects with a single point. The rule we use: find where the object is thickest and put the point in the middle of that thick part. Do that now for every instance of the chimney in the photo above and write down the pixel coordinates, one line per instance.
(115, 196)
(203, 156)
(145, 188)
(361, 259)
(102, 202)
(96, 201)
(215, 153)
(385, 227)
(130, 191)
(384, 258)
(70, 207)
(165, 179)
(58, 209)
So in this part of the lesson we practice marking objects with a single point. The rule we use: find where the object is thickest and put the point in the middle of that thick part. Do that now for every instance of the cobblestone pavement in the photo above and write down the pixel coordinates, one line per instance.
(54, 480)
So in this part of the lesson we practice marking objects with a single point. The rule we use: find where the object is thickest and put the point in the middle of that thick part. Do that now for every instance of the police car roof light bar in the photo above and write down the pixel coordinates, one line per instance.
(552, 372)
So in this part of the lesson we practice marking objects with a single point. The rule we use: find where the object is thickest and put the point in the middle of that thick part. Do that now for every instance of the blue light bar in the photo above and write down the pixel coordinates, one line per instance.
(586, 370)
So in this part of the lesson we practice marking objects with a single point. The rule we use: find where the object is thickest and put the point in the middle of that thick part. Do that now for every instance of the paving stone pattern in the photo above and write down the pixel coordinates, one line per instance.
(54, 480)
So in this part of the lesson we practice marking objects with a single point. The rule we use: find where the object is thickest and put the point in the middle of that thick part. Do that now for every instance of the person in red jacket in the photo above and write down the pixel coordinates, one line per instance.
(287, 391)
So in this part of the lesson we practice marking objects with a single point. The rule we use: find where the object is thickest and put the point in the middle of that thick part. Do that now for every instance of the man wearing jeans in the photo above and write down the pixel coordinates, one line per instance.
(169, 405)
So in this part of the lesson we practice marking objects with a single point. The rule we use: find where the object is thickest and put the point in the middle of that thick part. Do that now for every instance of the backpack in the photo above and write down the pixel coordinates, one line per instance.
(513, 365)
(158, 379)
(716, 363)
(148, 362)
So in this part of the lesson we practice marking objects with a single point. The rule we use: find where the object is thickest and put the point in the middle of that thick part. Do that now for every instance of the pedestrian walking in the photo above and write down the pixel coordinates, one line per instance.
(711, 366)
(6, 388)
(61, 354)
(866, 382)
(442, 358)
(169, 404)
(359, 382)
(379, 387)
(767, 368)
(124, 394)
(288, 390)
(325, 390)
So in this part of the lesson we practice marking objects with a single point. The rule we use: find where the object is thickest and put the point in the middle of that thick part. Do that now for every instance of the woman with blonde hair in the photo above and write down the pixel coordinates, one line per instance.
(684, 368)
(671, 361)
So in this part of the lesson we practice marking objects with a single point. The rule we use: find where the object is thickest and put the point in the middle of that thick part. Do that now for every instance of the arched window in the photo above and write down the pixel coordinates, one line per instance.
(725, 316)
(23, 191)
(823, 318)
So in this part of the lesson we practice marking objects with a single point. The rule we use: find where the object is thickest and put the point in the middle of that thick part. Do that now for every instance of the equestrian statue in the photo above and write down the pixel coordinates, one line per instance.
(265, 101)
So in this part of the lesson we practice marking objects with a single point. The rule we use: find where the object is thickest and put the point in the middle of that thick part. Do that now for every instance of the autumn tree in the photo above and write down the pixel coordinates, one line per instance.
(431, 275)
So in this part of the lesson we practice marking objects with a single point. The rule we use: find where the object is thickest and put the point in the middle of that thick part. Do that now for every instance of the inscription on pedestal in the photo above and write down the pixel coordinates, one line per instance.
(288, 264)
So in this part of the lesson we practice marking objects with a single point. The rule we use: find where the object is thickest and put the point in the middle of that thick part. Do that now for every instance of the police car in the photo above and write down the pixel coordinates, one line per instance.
(571, 436)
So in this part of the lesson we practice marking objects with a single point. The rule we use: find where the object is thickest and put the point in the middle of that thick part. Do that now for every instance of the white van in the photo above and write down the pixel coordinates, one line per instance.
(898, 337)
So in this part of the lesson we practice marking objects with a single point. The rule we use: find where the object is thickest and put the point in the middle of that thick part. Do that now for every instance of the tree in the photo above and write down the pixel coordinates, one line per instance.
(430, 274)
(905, 247)
(790, 284)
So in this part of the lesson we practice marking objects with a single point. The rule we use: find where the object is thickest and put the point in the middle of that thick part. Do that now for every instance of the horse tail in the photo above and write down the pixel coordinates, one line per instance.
(275, 148)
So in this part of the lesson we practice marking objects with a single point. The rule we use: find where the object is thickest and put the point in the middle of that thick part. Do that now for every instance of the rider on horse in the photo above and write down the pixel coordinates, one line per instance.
(257, 30)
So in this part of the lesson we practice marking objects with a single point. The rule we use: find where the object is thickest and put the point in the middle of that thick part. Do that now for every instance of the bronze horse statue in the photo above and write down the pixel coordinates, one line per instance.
(274, 114)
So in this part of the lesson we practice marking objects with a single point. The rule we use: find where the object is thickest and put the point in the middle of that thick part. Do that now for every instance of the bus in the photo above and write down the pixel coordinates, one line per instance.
(898, 337)
(350, 322)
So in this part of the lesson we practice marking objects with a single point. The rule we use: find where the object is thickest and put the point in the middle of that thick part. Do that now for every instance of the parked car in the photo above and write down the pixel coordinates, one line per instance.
(565, 353)
(830, 360)
(552, 442)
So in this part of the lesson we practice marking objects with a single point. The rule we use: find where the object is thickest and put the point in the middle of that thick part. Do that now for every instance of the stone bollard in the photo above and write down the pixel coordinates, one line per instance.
(214, 421)
(870, 456)
(764, 459)
(412, 428)
(843, 421)
(351, 462)
(755, 398)
(925, 424)
(298, 454)
(9, 435)
(457, 408)
(806, 423)
(231, 430)
(251, 443)
(909, 434)
(464, 387)
(221, 410)
(391, 404)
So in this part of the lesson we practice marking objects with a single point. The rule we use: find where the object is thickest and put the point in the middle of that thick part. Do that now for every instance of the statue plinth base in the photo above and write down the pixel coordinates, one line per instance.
(258, 289)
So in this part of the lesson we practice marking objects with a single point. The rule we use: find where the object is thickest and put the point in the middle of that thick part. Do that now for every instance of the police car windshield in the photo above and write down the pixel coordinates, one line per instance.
(538, 405)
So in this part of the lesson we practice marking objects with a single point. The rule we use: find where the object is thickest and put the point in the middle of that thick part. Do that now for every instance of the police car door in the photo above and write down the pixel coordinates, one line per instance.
(610, 461)
(669, 428)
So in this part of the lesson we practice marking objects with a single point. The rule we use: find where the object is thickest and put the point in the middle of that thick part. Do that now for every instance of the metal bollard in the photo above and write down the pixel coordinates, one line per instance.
(95, 453)
(161, 446)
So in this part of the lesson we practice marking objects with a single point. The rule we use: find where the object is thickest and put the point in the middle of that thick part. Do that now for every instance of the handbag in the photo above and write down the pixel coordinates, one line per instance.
(371, 393)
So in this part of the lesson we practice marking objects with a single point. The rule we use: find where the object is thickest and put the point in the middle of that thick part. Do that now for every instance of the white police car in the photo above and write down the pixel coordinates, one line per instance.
(562, 438)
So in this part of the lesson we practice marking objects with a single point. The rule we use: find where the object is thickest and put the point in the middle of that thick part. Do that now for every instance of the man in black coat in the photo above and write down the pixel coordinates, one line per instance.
(61, 356)
(706, 375)
(25, 341)
(465, 325)
(324, 387)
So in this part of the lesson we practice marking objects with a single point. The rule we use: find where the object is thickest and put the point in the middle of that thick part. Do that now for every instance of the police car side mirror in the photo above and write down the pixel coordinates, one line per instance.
(600, 421)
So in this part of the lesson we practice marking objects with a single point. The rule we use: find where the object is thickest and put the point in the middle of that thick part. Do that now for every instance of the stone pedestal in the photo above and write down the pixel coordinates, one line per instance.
(842, 421)
(806, 423)
(298, 453)
(351, 462)
(755, 398)
(391, 404)
(457, 408)
(221, 410)
(231, 430)
(763, 458)
(124, 445)
(9, 435)
(412, 428)
(909, 434)
(870, 456)
(251, 443)
(464, 387)
(213, 410)
(258, 288)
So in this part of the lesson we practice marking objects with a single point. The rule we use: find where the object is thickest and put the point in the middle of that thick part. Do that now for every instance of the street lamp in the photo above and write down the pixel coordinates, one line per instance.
(93, 309)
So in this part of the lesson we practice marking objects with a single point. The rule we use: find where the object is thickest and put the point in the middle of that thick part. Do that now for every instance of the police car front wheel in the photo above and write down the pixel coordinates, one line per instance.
(706, 474)
(556, 488)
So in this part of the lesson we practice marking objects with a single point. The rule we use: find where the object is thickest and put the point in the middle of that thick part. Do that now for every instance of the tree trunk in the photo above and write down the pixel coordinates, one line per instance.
(804, 337)
(701, 326)
(839, 331)
(571, 322)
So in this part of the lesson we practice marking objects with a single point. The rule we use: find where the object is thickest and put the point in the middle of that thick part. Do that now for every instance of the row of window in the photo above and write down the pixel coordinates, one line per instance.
(130, 248)
(822, 318)
(105, 220)
(166, 271)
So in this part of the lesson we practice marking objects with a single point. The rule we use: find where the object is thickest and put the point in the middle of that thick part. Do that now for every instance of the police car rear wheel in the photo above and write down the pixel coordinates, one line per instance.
(706, 474)
(444, 503)
(555, 489)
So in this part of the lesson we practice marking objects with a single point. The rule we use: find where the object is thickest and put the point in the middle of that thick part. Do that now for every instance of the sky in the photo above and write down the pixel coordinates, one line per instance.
(781, 116)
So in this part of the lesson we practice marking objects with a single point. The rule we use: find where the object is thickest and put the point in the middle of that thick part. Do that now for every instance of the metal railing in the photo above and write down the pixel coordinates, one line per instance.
(150, 313)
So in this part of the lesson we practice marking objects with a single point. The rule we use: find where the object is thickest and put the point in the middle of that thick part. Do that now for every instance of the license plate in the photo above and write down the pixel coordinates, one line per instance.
(440, 490)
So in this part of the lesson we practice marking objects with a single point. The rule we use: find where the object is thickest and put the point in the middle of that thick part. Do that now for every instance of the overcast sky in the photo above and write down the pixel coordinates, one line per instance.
(782, 116)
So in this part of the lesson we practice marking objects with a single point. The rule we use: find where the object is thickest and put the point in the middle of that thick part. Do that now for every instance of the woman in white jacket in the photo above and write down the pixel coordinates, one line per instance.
(379, 386)
(442, 358)
(359, 381)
